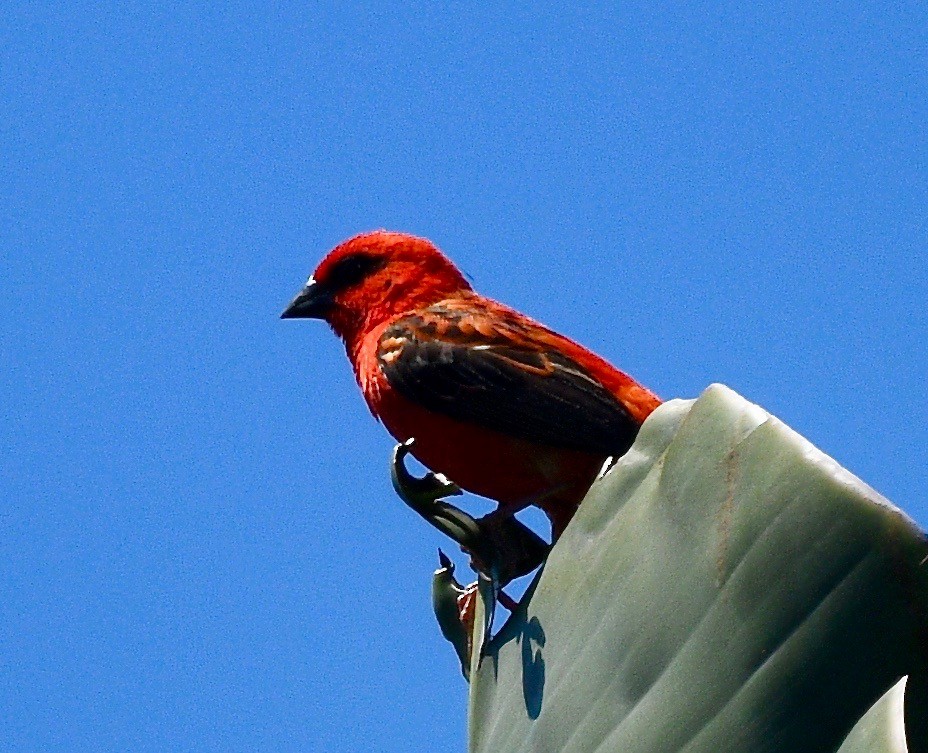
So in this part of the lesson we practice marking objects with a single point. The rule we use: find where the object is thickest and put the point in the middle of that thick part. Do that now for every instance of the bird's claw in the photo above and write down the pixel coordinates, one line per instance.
(424, 496)
(501, 548)
(418, 492)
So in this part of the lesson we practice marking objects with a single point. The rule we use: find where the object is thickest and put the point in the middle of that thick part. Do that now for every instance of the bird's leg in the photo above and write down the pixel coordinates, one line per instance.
(500, 546)
(424, 496)
(467, 604)
(519, 550)
(507, 601)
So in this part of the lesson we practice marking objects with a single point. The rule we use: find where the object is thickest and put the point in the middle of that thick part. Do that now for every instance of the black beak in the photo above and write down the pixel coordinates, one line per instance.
(312, 302)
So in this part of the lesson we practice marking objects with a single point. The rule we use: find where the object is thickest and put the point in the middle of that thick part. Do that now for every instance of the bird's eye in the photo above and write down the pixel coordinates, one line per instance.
(351, 270)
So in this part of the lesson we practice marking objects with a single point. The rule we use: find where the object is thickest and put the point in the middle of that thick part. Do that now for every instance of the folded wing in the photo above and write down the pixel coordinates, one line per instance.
(481, 368)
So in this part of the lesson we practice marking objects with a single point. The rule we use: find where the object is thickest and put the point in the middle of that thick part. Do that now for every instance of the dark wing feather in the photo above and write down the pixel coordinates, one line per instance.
(501, 384)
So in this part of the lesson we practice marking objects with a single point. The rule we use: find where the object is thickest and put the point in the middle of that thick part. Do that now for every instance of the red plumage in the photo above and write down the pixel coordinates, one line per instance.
(502, 405)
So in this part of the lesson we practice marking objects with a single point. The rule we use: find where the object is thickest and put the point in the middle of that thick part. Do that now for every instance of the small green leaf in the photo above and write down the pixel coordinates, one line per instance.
(445, 593)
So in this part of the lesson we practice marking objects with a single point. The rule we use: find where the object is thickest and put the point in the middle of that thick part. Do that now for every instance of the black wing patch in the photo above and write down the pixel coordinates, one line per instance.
(541, 397)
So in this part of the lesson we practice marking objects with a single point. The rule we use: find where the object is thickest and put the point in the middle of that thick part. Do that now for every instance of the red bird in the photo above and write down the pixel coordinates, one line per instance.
(500, 404)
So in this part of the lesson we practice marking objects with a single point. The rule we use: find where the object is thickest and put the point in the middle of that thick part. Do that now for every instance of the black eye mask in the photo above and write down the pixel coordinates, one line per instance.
(351, 270)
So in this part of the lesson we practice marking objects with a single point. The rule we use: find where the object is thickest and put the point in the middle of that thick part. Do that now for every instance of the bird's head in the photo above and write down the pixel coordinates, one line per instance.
(372, 277)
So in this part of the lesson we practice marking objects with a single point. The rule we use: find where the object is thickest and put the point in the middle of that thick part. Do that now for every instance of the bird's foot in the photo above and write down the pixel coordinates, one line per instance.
(467, 604)
(500, 546)
(517, 548)
(424, 495)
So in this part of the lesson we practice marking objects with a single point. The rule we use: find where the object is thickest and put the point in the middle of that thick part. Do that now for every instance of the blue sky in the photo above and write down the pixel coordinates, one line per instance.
(201, 549)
